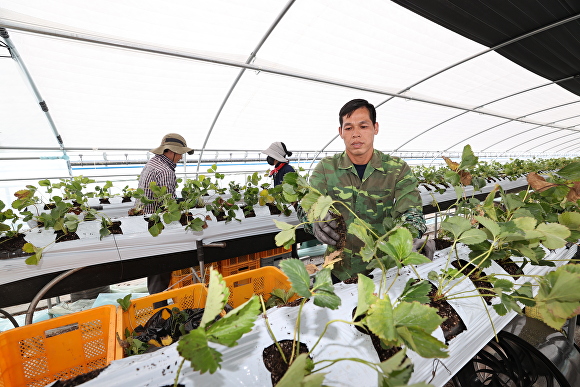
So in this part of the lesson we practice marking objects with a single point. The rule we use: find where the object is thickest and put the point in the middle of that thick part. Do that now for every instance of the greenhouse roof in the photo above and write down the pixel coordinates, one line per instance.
(502, 76)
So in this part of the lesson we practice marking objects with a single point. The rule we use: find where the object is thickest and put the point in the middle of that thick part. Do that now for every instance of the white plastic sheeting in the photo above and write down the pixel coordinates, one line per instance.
(318, 56)
(242, 365)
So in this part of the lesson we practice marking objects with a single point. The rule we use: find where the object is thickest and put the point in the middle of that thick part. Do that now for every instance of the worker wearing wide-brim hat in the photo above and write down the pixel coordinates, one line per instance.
(277, 157)
(161, 170)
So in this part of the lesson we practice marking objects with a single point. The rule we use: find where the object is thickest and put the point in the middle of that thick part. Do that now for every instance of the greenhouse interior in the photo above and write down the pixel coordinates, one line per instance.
(290, 193)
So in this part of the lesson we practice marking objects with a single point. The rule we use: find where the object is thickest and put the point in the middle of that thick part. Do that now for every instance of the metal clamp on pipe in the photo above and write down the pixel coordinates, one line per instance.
(200, 255)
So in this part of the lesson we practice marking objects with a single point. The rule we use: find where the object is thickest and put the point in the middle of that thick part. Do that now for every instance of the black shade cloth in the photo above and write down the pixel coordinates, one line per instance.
(553, 54)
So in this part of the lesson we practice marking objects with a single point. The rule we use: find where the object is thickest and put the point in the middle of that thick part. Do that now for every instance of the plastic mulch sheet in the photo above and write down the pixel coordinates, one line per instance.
(242, 365)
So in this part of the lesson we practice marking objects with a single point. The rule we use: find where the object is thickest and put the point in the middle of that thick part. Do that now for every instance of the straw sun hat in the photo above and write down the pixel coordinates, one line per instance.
(174, 142)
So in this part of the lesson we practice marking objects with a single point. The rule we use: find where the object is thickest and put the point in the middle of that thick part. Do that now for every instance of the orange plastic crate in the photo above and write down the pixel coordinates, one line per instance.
(184, 277)
(60, 348)
(259, 281)
(247, 262)
(141, 309)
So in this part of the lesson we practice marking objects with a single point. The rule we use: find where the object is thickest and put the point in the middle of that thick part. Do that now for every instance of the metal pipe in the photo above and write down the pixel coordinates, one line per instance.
(18, 59)
(43, 291)
(250, 59)
(9, 317)
(572, 329)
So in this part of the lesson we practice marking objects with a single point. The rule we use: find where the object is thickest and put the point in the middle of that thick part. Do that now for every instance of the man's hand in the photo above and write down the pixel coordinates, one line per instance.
(325, 230)
(425, 247)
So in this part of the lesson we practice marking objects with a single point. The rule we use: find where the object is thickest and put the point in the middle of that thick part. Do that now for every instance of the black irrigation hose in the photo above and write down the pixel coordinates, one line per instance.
(9, 317)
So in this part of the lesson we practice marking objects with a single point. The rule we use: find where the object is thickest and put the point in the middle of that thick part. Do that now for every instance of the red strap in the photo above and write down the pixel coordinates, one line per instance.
(275, 170)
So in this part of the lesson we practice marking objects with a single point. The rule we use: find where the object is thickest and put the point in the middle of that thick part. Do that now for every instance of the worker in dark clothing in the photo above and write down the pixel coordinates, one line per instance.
(277, 154)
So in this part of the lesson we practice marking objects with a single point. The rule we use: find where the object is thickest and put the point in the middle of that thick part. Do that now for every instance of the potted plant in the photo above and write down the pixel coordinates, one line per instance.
(104, 193)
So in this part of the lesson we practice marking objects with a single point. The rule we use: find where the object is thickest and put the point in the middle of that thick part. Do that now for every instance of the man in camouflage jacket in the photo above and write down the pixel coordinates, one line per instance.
(375, 186)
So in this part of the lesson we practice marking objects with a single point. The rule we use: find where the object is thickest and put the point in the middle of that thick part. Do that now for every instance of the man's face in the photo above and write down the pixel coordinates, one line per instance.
(175, 157)
(358, 134)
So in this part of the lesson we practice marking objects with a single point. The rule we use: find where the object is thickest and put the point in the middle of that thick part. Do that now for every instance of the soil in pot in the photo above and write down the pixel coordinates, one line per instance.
(273, 209)
(274, 362)
(186, 218)
(126, 199)
(104, 201)
(75, 210)
(49, 206)
(483, 287)
(11, 247)
(115, 227)
(78, 380)
(221, 216)
(134, 212)
(453, 324)
(441, 244)
(510, 267)
(248, 214)
(62, 237)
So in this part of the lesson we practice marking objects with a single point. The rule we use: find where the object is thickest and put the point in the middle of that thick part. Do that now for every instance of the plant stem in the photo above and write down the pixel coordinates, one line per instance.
(324, 332)
(357, 360)
(297, 330)
(178, 372)
(269, 328)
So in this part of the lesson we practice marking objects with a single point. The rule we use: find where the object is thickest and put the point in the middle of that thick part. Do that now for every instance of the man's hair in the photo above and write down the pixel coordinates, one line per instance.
(355, 104)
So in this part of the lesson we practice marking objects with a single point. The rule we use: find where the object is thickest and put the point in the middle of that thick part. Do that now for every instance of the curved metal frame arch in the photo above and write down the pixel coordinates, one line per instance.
(540, 126)
(546, 134)
(561, 144)
(242, 71)
(481, 106)
(79, 36)
(516, 119)
(524, 36)
(42, 103)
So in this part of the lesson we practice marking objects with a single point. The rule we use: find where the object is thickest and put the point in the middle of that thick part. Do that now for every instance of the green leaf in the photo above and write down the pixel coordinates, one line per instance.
(416, 291)
(298, 276)
(326, 299)
(554, 235)
(473, 236)
(468, 158)
(283, 225)
(452, 177)
(125, 302)
(414, 314)
(36, 257)
(321, 207)
(415, 259)
(228, 330)
(300, 367)
(361, 233)
(396, 370)
(366, 288)
(308, 201)
(194, 347)
(570, 220)
(456, 225)
(422, 342)
(399, 245)
(570, 171)
(489, 224)
(285, 237)
(217, 297)
(380, 320)
(558, 298)
(526, 223)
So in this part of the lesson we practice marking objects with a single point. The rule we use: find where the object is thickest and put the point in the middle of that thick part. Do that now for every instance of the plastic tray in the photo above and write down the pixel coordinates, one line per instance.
(141, 309)
(59, 348)
(259, 281)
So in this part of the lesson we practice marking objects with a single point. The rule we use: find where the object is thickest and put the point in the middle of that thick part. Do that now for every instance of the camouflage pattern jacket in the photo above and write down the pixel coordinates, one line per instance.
(388, 190)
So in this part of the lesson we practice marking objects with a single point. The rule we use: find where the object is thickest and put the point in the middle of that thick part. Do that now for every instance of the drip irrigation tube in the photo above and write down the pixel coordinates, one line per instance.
(9, 317)
(43, 291)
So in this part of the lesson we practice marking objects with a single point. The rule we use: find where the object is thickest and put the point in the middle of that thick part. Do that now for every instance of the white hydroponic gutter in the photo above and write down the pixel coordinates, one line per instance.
(136, 242)
(242, 365)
